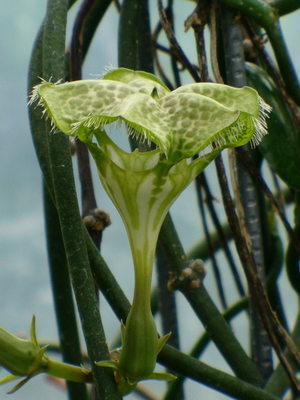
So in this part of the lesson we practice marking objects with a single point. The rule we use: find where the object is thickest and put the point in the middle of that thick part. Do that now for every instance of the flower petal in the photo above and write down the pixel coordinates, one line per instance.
(195, 122)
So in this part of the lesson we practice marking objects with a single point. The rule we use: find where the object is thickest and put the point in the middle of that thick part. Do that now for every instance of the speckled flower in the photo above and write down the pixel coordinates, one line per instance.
(198, 118)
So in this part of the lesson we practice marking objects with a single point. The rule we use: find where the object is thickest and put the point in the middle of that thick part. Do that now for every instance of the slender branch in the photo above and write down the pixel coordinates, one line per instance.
(197, 21)
(68, 211)
(203, 342)
(200, 250)
(200, 372)
(37, 125)
(89, 204)
(167, 308)
(279, 381)
(193, 289)
(63, 296)
(222, 235)
(215, 266)
(285, 6)
(60, 280)
(107, 282)
(170, 357)
(269, 319)
(263, 185)
(174, 43)
(174, 64)
(266, 16)
(246, 190)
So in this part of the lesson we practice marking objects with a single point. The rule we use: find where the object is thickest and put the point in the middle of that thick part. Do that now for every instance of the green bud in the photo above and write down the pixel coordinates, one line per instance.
(24, 358)
(20, 357)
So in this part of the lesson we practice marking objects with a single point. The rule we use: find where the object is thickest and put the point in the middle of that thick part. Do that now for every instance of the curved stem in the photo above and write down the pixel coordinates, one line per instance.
(248, 191)
(63, 296)
(266, 17)
(68, 372)
(279, 381)
(200, 372)
(68, 211)
(285, 6)
(205, 309)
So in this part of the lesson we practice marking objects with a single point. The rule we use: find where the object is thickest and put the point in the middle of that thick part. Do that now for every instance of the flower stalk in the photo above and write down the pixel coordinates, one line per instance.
(198, 118)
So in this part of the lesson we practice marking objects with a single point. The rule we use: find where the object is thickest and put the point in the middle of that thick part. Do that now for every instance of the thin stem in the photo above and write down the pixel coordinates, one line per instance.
(145, 51)
(167, 309)
(200, 250)
(266, 16)
(222, 235)
(270, 321)
(174, 65)
(63, 296)
(107, 282)
(170, 357)
(37, 124)
(68, 211)
(247, 190)
(215, 266)
(69, 372)
(264, 187)
(128, 33)
(62, 293)
(174, 43)
(200, 372)
(76, 58)
(279, 382)
(204, 307)
(197, 21)
(203, 342)
(284, 61)
(285, 6)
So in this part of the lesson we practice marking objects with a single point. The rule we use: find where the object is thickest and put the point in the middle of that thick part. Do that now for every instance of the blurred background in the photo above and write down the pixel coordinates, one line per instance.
(24, 278)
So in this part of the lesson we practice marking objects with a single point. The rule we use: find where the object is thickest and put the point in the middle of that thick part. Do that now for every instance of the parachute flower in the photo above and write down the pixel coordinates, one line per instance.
(199, 118)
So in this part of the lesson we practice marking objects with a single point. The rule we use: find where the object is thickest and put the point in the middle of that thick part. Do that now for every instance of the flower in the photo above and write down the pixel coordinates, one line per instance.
(198, 118)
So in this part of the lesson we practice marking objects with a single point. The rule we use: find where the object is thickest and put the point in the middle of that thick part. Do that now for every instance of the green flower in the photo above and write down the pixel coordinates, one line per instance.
(198, 118)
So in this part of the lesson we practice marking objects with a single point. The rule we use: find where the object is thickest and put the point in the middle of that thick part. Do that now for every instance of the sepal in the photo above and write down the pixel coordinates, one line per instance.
(162, 341)
(162, 376)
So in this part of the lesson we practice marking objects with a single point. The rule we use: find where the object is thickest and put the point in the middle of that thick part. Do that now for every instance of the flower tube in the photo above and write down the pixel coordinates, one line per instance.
(200, 118)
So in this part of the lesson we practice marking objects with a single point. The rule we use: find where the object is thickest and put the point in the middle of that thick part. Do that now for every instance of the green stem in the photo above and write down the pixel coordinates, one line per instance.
(292, 255)
(107, 282)
(203, 342)
(75, 248)
(285, 6)
(170, 357)
(62, 293)
(284, 60)
(92, 22)
(37, 124)
(206, 310)
(259, 10)
(209, 376)
(266, 17)
(279, 381)
(63, 296)
(130, 19)
(200, 250)
(68, 372)
(68, 211)
(247, 191)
